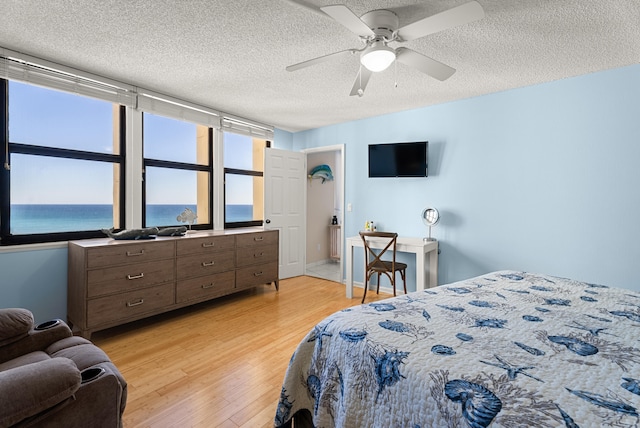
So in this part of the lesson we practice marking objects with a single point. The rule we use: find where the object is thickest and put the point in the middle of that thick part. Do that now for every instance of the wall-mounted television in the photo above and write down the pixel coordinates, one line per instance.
(399, 159)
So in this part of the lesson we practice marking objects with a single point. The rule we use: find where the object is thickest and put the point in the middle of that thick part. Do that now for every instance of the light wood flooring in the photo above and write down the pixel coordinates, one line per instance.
(219, 363)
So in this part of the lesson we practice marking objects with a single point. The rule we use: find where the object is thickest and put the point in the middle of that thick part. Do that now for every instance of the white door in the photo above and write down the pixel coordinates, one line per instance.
(284, 206)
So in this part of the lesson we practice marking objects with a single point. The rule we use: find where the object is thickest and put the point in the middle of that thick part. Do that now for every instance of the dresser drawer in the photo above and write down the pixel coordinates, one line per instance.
(129, 277)
(204, 264)
(257, 238)
(256, 255)
(256, 275)
(130, 305)
(205, 287)
(117, 254)
(205, 244)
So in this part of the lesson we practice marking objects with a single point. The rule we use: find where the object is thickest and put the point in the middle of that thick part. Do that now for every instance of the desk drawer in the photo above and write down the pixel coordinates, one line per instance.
(204, 264)
(118, 254)
(129, 306)
(118, 279)
(205, 287)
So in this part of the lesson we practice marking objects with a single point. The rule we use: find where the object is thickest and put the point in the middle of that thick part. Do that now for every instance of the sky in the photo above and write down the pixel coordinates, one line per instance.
(58, 119)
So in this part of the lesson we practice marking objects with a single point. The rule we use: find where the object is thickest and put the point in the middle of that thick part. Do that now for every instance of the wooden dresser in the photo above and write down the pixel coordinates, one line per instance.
(112, 282)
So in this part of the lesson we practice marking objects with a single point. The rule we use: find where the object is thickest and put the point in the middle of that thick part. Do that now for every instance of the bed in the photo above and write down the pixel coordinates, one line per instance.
(507, 349)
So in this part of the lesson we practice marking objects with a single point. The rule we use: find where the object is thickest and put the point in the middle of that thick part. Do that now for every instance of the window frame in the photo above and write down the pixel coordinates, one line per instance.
(131, 102)
(184, 166)
(6, 238)
(246, 173)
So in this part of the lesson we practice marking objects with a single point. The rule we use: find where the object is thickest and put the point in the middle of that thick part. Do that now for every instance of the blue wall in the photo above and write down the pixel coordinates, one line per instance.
(36, 280)
(282, 140)
(543, 178)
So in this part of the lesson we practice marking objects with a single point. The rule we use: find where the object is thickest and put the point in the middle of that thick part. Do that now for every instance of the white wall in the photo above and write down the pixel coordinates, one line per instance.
(542, 179)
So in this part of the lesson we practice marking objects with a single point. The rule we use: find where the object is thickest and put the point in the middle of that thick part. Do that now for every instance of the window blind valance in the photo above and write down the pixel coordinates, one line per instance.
(27, 69)
(164, 105)
(247, 127)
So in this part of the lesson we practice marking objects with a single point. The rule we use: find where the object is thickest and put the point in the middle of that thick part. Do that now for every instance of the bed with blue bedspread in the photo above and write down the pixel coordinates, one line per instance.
(507, 349)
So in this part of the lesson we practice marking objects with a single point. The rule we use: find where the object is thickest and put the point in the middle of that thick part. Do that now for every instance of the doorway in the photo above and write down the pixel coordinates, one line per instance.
(325, 205)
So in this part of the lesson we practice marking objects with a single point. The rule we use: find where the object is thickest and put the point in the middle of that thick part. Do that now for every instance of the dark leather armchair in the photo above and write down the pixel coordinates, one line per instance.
(50, 378)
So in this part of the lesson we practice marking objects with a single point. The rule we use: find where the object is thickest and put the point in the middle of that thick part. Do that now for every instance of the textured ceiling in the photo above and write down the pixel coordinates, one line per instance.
(231, 55)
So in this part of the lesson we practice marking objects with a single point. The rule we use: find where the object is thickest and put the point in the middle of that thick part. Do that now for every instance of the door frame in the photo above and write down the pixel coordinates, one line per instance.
(340, 181)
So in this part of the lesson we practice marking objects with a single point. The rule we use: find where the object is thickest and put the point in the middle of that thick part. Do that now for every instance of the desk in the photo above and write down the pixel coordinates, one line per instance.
(423, 250)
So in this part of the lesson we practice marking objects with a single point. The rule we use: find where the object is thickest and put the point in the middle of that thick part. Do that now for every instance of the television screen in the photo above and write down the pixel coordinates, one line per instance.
(399, 159)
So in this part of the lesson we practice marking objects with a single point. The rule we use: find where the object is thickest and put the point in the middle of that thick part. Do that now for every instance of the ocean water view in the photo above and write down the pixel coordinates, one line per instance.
(33, 218)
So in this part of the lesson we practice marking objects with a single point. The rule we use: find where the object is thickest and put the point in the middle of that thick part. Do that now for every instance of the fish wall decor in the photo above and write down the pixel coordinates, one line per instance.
(321, 171)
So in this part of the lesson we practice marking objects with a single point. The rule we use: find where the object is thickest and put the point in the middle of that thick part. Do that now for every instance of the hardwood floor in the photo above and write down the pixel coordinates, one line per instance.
(219, 363)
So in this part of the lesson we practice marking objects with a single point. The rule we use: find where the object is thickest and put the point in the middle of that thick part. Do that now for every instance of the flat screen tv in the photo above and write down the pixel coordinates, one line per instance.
(399, 159)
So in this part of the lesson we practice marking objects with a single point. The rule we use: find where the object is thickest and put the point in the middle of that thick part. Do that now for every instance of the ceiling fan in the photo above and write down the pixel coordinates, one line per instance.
(378, 28)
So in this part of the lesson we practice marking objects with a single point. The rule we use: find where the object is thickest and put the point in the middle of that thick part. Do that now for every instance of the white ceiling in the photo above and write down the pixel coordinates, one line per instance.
(231, 55)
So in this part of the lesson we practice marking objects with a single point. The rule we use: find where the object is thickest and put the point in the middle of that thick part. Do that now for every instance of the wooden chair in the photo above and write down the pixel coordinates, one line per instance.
(375, 265)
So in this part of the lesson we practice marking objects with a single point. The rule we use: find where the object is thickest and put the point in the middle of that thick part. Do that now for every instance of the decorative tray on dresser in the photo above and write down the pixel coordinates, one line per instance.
(112, 282)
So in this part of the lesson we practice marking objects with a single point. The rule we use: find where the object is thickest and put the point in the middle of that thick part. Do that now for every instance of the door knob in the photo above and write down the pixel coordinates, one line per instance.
(267, 221)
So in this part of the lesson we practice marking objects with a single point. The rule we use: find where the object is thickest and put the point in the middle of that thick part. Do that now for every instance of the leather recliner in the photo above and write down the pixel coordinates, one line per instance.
(50, 378)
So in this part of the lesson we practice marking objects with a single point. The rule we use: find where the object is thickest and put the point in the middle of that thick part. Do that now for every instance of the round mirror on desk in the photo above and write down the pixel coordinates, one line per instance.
(430, 217)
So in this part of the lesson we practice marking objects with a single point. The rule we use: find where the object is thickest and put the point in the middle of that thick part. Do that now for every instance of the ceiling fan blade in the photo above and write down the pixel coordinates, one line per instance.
(459, 15)
(346, 17)
(361, 81)
(318, 60)
(423, 63)
(306, 5)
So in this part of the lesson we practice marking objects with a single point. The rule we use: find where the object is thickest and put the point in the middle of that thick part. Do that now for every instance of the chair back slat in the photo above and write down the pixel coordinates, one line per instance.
(370, 252)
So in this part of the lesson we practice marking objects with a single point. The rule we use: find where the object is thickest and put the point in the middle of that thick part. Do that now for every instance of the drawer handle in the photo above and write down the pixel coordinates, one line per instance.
(258, 273)
(205, 264)
(139, 253)
(205, 286)
(259, 238)
(141, 275)
(208, 244)
(136, 303)
(256, 255)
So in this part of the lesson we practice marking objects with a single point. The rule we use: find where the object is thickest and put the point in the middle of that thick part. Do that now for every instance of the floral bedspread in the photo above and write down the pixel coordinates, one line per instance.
(507, 349)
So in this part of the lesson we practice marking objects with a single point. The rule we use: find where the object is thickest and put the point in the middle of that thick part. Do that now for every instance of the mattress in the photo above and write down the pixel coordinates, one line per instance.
(507, 349)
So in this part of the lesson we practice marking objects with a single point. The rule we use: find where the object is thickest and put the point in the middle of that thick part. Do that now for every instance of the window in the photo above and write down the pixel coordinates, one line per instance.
(243, 180)
(63, 163)
(63, 175)
(177, 171)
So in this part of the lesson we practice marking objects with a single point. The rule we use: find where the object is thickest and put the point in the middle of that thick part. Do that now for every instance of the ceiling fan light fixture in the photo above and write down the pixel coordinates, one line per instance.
(378, 57)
